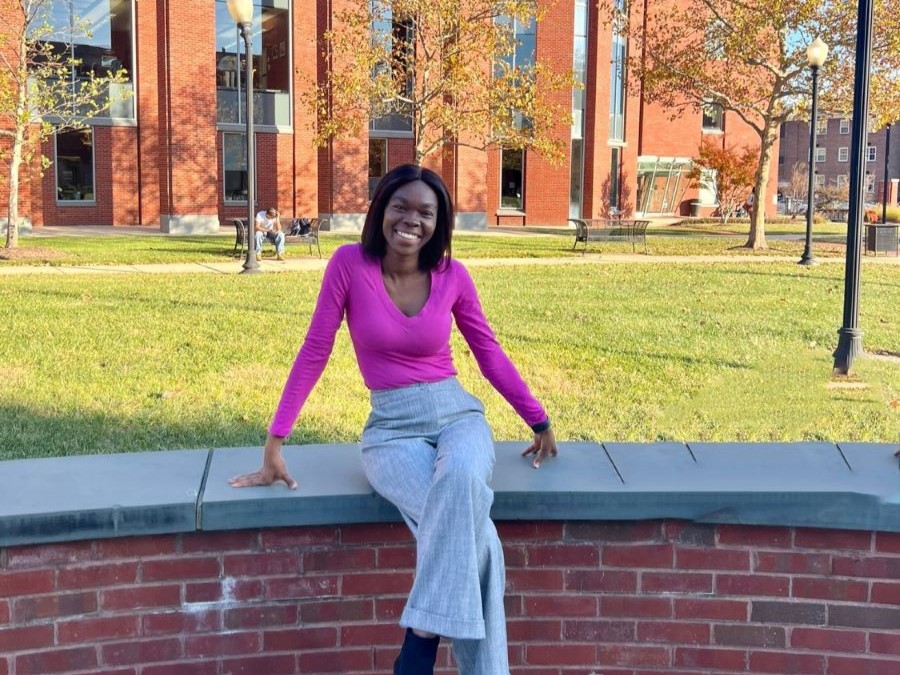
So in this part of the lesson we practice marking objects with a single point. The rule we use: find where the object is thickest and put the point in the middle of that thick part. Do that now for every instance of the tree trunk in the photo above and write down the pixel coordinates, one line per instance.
(757, 237)
(12, 223)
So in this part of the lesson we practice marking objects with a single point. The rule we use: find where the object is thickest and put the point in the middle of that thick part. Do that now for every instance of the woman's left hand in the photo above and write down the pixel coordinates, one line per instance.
(544, 445)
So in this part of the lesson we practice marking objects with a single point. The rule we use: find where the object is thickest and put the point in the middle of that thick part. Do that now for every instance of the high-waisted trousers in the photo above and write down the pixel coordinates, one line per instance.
(427, 449)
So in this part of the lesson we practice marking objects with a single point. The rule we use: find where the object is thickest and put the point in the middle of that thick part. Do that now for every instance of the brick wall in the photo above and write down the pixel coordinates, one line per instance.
(582, 597)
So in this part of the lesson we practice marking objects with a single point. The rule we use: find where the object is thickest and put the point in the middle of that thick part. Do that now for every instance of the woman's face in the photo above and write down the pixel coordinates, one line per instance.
(410, 218)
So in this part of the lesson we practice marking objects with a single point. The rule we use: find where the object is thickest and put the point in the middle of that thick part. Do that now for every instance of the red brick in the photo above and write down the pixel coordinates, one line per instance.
(845, 665)
(691, 534)
(833, 540)
(196, 668)
(137, 547)
(874, 566)
(214, 542)
(390, 609)
(301, 587)
(379, 583)
(396, 557)
(530, 530)
(52, 606)
(281, 664)
(884, 643)
(93, 576)
(625, 531)
(712, 608)
(371, 635)
(598, 631)
(560, 605)
(534, 579)
(829, 589)
(672, 632)
(25, 638)
(4, 612)
(180, 568)
(784, 662)
(742, 635)
(48, 555)
(297, 639)
(560, 654)
(713, 659)
(532, 630)
(563, 555)
(336, 560)
(341, 661)
(91, 630)
(261, 616)
(230, 643)
(711, 559)
(784, 562)
(887, 542)
(629, 606)
(4, 666)
(140, 597)
(270, 563)
(227, 590)
(26, 583)
(827, 640)
(628, 655)
(140, 652)
(864, 616)
(644, 556)
(298, 537)
(57, 661)
(885, 594)
(333, 611)
(676, 582)
(754, 537)
(375, 533)
(179, 623)
(586, 581)
(752, 584)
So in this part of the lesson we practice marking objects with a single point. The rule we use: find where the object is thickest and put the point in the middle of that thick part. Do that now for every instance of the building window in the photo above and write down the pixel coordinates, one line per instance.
(780, 160)
(579, 68)
(377, 162)
(661, 183)
(714, 40)
(614, 169)
(822, 126)
(843, 154)
(870, 153)
(820, 154)
(75, 166)
(617, 89)
(820, 181)
(398, 39)
(234, 157)
(713, 117)
(98, 34)
(845, 127)
(842, 180)
(512, 178)
(870, 182)
(270, 50)
(576, 178)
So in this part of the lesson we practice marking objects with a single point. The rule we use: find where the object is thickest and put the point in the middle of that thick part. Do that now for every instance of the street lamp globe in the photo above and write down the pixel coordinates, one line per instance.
(241, 10)
(816, 53)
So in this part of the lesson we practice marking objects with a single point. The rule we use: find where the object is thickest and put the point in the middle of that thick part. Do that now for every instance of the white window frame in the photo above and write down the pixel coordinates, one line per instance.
(820, 181)
(844, 154)
(871, 153)
(822, 126)
(845, 127)
(821, 155)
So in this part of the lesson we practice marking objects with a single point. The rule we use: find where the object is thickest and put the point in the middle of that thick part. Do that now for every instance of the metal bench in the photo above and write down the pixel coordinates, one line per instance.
(311, 237)
(609, 229)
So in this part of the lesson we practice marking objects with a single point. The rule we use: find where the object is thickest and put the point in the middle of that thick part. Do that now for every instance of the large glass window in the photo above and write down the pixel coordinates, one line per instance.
(713, 117)
(97, 35)
(377, 162)
(614, 168)
(576, 178)
(397, 37)
(75, 166)
(662, 182)
(512, 178)
(270, 49)
(617, 90)
(234, 160)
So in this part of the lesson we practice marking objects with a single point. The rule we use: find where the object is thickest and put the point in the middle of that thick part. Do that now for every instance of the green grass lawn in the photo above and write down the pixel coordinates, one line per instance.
(784, 225)
(138, 249)
(716, 352)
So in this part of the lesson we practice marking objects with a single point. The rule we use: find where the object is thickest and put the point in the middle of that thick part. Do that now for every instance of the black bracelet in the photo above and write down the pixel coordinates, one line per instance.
(540, 426)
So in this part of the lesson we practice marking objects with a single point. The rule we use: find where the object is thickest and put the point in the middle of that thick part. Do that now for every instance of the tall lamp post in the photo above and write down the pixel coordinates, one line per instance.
(242, 13)
(816, 54)
(887, 174)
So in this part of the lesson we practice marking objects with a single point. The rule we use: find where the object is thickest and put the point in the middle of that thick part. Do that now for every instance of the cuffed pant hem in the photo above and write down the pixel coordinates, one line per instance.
(459, 629)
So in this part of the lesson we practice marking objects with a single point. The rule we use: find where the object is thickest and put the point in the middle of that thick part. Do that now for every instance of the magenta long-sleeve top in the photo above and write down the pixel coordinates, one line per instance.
(392, 349)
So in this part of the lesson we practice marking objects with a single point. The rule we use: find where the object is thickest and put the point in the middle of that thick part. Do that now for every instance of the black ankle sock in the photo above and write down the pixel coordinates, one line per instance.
(417, 656)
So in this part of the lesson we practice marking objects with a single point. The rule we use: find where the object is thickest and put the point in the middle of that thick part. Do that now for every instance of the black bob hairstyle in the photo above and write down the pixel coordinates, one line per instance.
(437, 250)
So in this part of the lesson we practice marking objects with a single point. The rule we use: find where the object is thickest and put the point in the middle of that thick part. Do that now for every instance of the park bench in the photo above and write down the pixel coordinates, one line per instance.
(609, 229)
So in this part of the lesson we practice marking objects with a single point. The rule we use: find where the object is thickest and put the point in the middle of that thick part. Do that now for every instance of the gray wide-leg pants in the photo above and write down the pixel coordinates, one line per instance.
(428, 449)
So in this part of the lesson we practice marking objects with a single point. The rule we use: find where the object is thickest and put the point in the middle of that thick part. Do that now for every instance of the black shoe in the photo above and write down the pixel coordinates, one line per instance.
(417, 656)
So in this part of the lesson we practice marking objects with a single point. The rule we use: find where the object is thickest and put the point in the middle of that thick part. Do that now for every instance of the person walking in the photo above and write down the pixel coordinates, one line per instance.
(426, 446)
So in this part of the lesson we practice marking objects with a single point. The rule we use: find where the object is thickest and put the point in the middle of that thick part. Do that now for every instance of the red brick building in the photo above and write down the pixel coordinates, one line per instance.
(174, 155)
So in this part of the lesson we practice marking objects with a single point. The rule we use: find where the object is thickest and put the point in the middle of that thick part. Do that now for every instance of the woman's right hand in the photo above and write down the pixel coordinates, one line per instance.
(273, 469)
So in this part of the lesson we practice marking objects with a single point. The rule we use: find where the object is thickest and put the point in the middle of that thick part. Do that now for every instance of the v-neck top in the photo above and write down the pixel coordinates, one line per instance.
(394, 350)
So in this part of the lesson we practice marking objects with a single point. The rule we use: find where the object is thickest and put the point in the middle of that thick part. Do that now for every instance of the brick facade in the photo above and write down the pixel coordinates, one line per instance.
(166, 169)
(618, 598)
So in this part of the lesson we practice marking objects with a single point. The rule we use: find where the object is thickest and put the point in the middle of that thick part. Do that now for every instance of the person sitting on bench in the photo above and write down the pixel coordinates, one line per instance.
(268, 226)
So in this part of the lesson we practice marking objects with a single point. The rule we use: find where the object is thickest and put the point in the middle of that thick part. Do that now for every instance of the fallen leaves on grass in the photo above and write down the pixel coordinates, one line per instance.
(30, 253)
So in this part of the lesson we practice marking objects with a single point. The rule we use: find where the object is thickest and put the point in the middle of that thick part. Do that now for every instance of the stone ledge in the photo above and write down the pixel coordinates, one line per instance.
(845, 486)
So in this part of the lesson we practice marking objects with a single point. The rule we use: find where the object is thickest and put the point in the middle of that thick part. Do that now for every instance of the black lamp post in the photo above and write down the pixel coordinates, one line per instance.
(242, 13)
(816, 54)
(849, 334)
(887, 174)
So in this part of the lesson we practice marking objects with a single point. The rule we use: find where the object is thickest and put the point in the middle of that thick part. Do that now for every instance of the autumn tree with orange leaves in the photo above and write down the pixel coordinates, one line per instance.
(725, 171)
